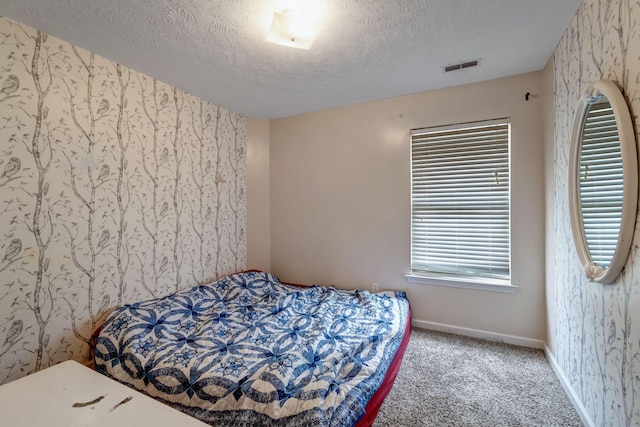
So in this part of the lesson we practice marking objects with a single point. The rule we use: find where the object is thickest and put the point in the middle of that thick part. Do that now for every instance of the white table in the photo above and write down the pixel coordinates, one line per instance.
(46, 398)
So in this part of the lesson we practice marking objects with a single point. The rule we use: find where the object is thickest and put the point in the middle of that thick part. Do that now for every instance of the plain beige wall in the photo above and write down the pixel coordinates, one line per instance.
(340, 200)
(548, 103)
(258, 224)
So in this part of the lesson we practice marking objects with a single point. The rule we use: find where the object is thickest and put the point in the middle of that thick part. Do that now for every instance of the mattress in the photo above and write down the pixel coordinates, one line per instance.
(249, 350)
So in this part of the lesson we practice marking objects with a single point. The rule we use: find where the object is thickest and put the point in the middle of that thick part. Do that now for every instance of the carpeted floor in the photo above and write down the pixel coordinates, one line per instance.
(450, 380)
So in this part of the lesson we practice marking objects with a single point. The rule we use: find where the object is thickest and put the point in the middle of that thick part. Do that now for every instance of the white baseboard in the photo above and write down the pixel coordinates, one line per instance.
(573, 396)
(476, 333)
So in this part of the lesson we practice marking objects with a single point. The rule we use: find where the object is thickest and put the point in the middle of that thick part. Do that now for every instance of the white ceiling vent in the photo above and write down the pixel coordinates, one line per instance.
(461, 65)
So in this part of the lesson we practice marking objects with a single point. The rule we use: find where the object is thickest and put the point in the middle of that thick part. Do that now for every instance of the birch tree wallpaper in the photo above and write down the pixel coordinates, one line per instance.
(598, 326)
(114, 188)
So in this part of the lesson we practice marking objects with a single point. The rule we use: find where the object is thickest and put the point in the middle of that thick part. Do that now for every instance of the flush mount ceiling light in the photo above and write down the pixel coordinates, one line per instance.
(292, 28)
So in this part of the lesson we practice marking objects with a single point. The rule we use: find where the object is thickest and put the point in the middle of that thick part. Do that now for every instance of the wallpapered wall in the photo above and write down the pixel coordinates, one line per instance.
(114, 188)
(597, 326)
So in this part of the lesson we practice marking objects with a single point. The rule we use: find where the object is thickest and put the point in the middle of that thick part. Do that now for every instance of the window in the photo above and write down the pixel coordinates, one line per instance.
(460, 201)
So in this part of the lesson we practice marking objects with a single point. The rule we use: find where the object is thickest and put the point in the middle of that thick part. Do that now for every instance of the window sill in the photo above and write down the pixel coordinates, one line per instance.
(476, 283)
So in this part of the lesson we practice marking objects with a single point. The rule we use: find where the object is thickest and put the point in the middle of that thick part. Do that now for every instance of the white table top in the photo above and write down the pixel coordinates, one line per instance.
(46, 398)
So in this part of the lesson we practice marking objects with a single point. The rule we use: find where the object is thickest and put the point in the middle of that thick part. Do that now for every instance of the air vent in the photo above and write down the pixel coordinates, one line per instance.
(460, 66)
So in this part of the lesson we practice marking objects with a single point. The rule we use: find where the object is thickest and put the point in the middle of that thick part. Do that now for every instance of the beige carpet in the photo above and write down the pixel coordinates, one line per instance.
(450, 380)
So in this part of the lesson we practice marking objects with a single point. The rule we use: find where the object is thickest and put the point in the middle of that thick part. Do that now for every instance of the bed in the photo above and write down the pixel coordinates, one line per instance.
(249, 350)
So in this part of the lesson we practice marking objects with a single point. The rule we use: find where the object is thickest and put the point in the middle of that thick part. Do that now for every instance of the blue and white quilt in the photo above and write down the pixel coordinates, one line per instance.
(248, 350)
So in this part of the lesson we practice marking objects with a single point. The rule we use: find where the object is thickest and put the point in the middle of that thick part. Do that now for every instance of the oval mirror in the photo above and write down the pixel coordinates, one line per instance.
(603, 181)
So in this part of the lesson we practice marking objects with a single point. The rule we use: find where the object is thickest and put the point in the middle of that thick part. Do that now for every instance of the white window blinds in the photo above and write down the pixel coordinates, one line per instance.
(460, 199)
(601, 182)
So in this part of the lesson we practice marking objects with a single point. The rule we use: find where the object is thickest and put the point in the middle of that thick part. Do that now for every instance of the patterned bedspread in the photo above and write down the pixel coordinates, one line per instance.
(247, 350)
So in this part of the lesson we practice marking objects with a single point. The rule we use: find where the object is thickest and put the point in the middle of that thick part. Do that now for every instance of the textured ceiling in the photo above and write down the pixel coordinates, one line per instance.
(365, 50)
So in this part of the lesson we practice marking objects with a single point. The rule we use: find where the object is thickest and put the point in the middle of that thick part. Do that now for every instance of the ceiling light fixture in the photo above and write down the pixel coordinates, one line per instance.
(292, 28)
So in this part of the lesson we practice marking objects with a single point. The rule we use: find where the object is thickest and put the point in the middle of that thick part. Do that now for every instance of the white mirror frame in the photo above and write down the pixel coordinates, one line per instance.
(626, 133)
